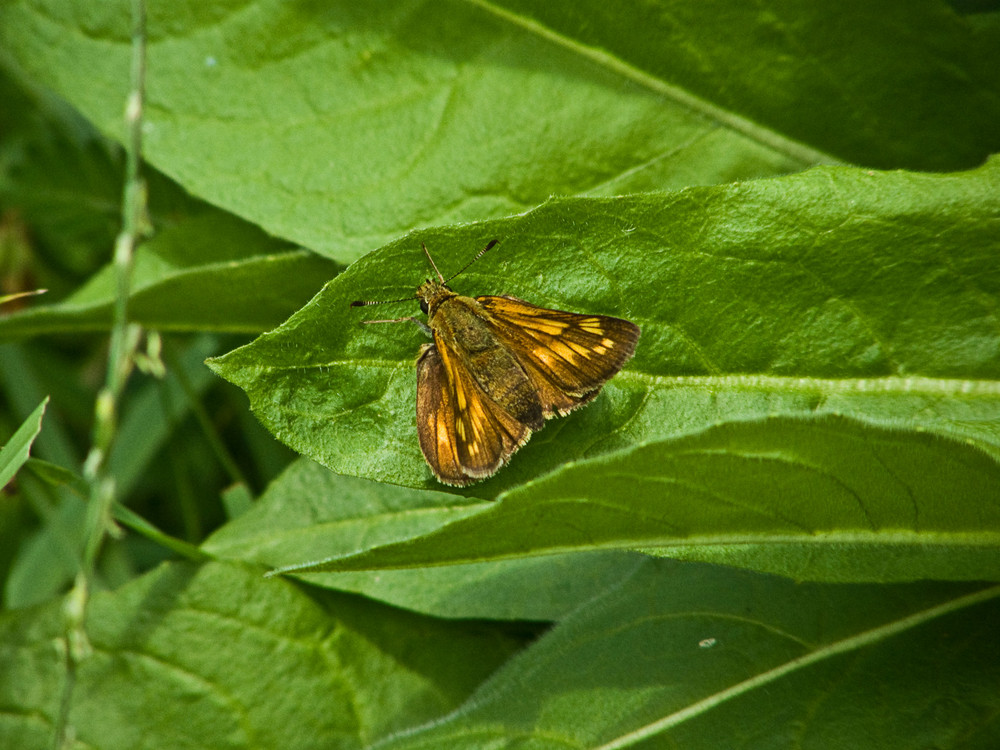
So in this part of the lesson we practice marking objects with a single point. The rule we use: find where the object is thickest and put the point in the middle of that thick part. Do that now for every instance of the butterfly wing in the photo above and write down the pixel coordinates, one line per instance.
(464, 435)
(568, 356)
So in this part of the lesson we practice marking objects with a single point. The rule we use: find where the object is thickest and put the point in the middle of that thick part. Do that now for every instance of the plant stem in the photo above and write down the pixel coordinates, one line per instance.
(124, 339)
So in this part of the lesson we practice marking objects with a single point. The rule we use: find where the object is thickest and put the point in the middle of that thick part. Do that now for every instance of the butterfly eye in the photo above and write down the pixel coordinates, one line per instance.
(423, 306)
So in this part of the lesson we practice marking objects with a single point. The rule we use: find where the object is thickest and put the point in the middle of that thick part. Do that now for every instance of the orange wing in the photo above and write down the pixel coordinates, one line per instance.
(463, 434)
(568, 356)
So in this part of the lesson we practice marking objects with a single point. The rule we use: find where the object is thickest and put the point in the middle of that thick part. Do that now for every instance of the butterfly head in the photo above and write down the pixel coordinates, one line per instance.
(431, 294)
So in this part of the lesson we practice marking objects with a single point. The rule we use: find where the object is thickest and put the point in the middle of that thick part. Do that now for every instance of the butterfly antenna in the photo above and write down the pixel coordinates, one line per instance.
(489, 246)
(433, 264)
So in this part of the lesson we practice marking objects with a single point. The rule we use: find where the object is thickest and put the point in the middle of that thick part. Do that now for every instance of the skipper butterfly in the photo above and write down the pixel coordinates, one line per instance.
(498, 368)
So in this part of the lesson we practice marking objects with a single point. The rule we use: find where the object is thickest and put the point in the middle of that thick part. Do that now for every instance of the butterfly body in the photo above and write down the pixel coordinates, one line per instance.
(499, 367)
(461, 325)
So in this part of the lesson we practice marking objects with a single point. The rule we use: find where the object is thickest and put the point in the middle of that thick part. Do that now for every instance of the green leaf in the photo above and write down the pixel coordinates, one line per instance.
(849, 79)
(218, 657)
(64, 181)
(209, 271)
(807, 342)
(710, 658)
(820, 499)
(310, 513)
(340, 126)
(836, 291)
(15, 451)
(203, 269)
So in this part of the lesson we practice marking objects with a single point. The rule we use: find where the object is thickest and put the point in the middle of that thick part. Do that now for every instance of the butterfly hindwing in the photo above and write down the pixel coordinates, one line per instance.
(463, 434)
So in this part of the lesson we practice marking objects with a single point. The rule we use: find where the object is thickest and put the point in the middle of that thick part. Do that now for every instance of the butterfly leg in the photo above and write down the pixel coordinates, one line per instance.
(420, 324)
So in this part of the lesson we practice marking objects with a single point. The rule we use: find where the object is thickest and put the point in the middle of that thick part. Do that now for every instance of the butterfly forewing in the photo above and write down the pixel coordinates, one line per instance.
(569, 356)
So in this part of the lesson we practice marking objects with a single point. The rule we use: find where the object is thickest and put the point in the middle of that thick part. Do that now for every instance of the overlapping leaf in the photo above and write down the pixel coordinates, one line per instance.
(818, 499)
(310, 513)
(703, 658)
(340, 126)
(217, 657)
(815, 391)
(208, 273)
(832, 292)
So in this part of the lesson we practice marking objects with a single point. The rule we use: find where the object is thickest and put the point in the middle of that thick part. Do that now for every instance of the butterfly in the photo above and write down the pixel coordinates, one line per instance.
(499, 367)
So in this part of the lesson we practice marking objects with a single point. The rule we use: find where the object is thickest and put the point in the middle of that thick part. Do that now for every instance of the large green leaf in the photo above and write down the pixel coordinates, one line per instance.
(837, 291)
(853, 79)
(217, 657)
(702, 658)
(339, 126)
(310, 513)
(821, 499)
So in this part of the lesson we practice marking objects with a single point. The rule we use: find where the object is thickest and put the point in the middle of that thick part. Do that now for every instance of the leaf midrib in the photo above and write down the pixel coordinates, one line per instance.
(915, 385)
(836, 648)
(764, 136)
